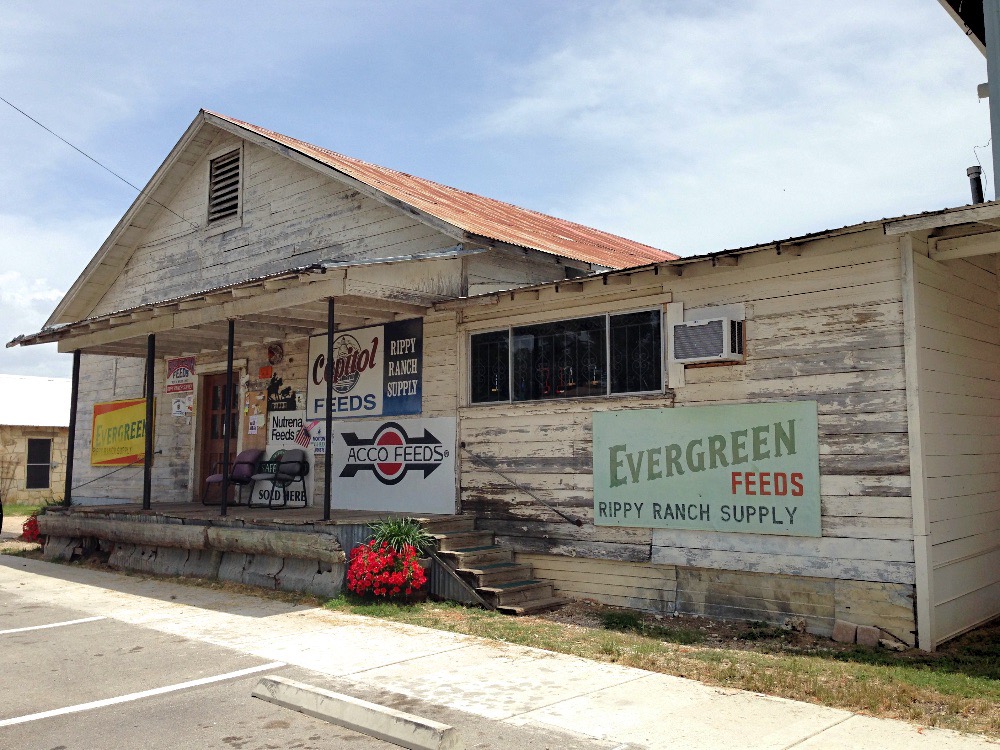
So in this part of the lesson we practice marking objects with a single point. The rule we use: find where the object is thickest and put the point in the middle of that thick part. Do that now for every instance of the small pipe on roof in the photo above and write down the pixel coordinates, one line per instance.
(976, 183)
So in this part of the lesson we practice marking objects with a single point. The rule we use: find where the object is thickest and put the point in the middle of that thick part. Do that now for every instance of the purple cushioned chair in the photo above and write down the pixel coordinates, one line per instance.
(241, 474)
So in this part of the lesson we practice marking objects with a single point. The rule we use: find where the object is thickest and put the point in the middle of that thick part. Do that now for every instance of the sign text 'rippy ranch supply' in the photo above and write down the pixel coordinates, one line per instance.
(376, 371)
(119, 433)
(752, 468)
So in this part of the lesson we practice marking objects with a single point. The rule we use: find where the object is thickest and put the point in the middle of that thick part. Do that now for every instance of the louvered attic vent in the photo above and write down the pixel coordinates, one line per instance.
(224, 187)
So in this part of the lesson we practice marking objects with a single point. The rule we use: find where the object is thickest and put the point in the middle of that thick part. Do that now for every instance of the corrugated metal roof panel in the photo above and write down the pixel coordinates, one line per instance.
(477, 215)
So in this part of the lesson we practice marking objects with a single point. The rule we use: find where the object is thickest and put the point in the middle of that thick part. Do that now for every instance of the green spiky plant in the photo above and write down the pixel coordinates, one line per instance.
(398, 532)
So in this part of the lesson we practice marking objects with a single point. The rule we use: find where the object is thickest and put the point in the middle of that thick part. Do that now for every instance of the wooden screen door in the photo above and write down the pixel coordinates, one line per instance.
(213, 419)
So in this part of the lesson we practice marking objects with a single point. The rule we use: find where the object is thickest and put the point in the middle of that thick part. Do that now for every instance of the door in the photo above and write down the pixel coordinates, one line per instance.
(213, 421)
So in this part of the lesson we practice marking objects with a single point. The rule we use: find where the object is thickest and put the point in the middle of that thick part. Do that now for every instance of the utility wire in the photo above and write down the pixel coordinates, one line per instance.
(106, 169)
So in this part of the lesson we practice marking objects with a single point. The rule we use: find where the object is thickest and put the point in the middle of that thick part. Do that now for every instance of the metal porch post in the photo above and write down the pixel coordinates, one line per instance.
(71, 437)
(328, 458)
(228, 424)
(147, 464)
(991, 18)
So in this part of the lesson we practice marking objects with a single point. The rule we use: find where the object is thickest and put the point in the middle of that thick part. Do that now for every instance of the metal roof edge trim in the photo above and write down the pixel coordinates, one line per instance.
(319, 267)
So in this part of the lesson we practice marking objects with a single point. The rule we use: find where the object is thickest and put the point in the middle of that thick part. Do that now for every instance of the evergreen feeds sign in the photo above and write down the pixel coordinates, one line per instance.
(752, 468)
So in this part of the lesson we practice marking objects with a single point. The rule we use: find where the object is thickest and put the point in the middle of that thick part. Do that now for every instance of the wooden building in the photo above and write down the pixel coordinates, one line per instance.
(862, 364)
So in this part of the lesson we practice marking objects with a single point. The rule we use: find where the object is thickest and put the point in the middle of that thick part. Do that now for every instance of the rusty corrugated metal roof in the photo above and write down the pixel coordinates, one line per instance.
(484, 217)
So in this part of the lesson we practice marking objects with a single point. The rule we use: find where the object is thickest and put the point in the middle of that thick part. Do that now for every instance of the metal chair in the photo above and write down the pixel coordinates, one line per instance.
(240, 475)
(284, 469)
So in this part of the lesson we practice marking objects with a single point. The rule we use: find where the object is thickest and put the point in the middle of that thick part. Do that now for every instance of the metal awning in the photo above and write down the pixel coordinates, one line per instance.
(287, 304)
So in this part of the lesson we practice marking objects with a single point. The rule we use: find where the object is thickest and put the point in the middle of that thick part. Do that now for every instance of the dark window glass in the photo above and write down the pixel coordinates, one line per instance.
(490, 367)
(635, 352)
(39, 464)
(560, 360)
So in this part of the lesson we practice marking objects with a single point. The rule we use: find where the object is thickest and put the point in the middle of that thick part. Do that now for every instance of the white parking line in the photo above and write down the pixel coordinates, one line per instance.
(52, 625)
(144, 694)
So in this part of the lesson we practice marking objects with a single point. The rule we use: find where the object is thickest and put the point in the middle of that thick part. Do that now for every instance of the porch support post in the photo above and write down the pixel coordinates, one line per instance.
(228, 424)
(71, 437)
(991, 22)
(328, 457)
(147, 464)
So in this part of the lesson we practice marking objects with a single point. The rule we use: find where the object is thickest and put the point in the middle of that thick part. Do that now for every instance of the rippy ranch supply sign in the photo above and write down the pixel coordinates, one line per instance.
(752, 468)
(376, 371)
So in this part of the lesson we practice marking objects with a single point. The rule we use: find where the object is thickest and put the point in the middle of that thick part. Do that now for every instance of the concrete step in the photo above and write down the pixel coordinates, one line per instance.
(528, 608)
(489, 575)
(516, 593)
(445, 524)
(473, 557)
(464, 539)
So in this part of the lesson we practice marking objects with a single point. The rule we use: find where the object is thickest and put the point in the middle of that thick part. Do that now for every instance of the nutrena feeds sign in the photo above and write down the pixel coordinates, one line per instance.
(752, 468)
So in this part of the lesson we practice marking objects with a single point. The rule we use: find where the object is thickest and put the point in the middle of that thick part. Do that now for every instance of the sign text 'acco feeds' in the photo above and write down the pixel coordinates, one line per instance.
(751, 468)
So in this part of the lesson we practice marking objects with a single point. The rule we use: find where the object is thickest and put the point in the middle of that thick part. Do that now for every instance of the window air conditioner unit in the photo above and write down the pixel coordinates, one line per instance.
(708, 340)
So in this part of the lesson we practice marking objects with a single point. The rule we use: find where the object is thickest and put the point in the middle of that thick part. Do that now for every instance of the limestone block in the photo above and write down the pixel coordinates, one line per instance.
(262, 571)
(844, 632)
(232, 565)
(868, 635)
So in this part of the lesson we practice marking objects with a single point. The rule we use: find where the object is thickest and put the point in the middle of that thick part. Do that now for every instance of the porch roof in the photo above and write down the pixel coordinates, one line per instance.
(291, 303)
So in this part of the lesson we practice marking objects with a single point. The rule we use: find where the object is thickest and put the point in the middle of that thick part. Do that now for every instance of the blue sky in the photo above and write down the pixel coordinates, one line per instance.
(689, 126)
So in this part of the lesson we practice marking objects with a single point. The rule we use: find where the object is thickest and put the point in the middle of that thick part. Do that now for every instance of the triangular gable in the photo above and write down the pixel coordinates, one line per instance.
(462, 216)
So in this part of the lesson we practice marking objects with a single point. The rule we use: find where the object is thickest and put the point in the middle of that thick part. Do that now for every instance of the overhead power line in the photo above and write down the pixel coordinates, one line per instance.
(79, 150)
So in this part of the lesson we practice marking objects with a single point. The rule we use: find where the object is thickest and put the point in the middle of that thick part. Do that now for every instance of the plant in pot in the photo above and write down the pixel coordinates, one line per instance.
(388, 566)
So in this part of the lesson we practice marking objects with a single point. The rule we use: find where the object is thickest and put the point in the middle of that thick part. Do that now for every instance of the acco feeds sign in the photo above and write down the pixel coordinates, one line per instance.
(752, 468)
(405, 464)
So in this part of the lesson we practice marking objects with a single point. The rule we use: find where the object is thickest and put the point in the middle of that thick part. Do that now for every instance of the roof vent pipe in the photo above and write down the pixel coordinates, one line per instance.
(976, 183)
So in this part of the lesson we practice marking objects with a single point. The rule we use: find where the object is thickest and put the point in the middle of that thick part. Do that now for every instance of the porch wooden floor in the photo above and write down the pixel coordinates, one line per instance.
(210, 514)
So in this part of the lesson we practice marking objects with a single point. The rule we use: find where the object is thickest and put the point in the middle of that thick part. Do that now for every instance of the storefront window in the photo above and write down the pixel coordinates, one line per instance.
(635, 352)
(560, 360)
(491, 367)
(568, 358)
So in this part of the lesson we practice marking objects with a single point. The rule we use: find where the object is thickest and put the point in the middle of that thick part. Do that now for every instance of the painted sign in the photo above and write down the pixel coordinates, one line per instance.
(180, 386)
(119, 433)
(180, 375)
(752, 468)
(404, 465)
(285, 430)
(376, 371)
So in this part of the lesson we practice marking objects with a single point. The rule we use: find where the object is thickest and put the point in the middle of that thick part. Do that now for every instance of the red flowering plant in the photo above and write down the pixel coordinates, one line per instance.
(378, 570)
(29, 529)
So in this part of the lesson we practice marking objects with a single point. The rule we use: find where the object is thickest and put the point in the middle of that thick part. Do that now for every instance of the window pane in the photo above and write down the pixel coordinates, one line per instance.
(560, 360)
(635, 352)
(38, 477)
(39, 450)
(490, 367)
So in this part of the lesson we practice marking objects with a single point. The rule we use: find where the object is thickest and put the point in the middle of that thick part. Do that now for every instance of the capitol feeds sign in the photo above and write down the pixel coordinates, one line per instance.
(752, 468)
(404, 464)
(376, 371)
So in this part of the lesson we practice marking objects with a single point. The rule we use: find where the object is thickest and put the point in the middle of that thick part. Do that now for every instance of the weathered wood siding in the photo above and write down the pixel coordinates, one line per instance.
(824, 323)
(291, 216)
(958, 361)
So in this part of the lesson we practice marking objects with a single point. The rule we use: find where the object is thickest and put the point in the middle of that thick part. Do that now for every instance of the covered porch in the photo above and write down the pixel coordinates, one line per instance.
(282, 308)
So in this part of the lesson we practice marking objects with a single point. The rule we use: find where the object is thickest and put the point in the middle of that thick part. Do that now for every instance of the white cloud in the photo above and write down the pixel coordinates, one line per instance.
(753, 121)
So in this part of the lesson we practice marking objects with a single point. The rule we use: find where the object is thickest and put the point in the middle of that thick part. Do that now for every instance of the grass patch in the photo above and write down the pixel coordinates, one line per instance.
(630, 622)
(16, 509)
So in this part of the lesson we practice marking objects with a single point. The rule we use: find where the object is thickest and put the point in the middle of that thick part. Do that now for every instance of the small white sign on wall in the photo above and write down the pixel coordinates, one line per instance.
(405, 465)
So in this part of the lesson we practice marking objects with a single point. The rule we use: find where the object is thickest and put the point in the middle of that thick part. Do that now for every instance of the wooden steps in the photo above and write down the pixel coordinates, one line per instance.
(505, 585)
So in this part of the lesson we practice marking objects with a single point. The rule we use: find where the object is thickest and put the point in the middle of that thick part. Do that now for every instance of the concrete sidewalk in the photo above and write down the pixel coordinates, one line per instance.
(523, 686)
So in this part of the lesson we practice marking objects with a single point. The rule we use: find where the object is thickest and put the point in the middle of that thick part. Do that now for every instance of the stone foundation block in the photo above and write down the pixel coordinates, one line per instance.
(869, 636)
(844, 632)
